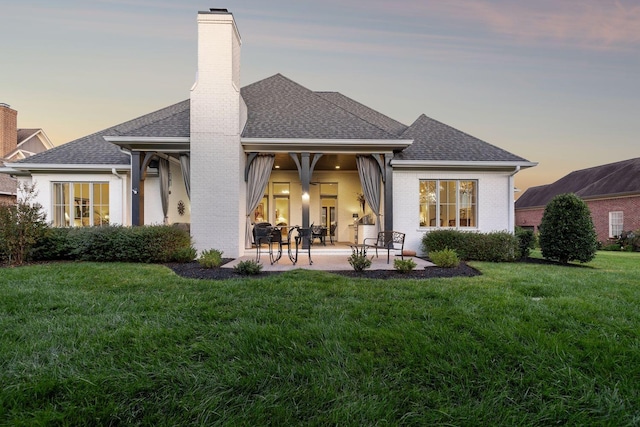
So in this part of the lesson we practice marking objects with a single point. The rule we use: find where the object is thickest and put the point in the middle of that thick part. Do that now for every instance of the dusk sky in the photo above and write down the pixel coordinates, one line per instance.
(554, 81)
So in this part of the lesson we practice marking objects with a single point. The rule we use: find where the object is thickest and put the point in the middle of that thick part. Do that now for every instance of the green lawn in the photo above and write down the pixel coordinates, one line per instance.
(127, 344)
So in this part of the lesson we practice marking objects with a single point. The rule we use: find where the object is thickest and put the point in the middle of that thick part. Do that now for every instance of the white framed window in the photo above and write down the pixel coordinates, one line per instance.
(616, 223)
(448, 203)
(80, 204)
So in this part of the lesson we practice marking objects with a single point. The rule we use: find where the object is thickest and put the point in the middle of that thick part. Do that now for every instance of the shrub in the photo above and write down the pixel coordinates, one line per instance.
(57, 243)
(248, 268)
(359, 262)
(526, 241)
(438, 240)
(611, 247)
(566, 230)
(446, 258)
(404, 265)
(148, 244)
(210, 258)
(184, 254)
(21, 226)
(499, 246)
(629, 241)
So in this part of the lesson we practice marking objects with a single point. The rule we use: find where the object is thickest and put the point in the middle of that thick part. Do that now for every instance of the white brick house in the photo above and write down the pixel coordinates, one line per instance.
(201, 161)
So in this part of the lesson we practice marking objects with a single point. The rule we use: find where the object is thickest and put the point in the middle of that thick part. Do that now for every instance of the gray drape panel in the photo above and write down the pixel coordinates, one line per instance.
(163, 171)
(258, 178)
(185, 163)
(370, 178)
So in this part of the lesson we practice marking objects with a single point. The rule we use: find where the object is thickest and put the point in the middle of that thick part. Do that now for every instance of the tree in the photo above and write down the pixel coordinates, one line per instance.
(566, 231)
(21, 225)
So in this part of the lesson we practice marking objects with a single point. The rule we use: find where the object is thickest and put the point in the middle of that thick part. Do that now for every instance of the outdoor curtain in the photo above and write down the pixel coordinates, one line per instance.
(163, 171)
(185, 163)
(370, 177)
(258, 178)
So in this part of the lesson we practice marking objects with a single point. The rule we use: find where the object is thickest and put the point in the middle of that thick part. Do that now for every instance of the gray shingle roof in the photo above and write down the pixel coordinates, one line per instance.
(374, 117)
(172, 121)
(280, 108)
(613, 179)
(7, 184)
(436, 141)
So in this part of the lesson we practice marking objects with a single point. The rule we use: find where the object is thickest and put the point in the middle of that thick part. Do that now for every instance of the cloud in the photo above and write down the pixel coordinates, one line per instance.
(587, 24)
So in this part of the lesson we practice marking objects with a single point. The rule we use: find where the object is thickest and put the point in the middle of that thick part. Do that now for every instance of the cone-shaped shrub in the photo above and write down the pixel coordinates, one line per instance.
(566, 231)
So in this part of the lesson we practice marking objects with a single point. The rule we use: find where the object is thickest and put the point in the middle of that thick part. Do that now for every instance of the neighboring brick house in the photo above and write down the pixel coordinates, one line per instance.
(273, 151)
(611, 191)
(16, 144)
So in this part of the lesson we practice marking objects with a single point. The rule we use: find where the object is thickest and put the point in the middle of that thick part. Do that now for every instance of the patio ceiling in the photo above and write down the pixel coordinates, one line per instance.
(283, 161)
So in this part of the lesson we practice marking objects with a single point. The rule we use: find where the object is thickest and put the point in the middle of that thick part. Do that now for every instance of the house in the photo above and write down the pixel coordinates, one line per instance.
(611, 191)
(16, 144)
(272, 151)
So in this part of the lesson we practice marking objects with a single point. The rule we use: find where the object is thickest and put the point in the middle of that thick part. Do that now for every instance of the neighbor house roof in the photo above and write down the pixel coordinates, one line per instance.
(610, 180)
(24, 134)
(8, 185)
(278, 108)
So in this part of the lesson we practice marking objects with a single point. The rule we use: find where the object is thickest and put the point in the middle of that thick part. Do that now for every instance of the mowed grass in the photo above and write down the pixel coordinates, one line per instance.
(128, 344)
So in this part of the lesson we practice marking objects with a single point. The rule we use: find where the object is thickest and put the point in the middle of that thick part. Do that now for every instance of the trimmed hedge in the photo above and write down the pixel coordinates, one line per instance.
(147, 244)
(499, 246)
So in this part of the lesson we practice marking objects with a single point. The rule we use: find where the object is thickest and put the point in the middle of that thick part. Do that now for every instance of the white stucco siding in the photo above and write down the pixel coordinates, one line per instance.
(493, 201)
(44, 188)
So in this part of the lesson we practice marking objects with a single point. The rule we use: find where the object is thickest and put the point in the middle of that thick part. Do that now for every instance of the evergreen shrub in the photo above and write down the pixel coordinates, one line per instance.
(445, 258)
(404, 265)
(566, 230)
(359, 262)
(498, 246)
(211, 258)
(248, 268)
(147, 244)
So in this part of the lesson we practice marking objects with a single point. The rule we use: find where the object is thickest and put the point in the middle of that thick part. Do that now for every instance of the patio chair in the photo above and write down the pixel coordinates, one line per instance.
(303, 234)
(318, 232)
(332, 232)
(281, 238)
(262, 232)
(389, 240)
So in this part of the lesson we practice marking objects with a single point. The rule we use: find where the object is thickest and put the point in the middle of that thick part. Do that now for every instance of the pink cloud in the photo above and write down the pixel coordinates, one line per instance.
(591, 24)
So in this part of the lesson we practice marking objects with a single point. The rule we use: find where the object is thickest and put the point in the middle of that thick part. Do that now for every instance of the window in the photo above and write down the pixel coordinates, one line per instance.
(448, 203)
(616, 222)
(281, 202)
(80, 204)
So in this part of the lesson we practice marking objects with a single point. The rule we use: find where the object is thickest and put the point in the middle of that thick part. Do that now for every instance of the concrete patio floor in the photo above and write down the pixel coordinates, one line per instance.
(327, 262)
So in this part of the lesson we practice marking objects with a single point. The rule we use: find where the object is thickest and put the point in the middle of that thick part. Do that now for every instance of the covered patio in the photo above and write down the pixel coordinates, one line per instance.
(329, 258)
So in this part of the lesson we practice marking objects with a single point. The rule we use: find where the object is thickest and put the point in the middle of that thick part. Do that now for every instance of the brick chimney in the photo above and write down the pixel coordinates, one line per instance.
(217, 159)
(8, 130)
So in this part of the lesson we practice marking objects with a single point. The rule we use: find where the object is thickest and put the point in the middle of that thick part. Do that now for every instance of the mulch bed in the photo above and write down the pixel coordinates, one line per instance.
(193, 270)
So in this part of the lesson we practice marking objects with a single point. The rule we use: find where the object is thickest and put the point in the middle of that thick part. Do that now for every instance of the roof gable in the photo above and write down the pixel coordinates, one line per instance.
(280, 108)
(436, 141)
